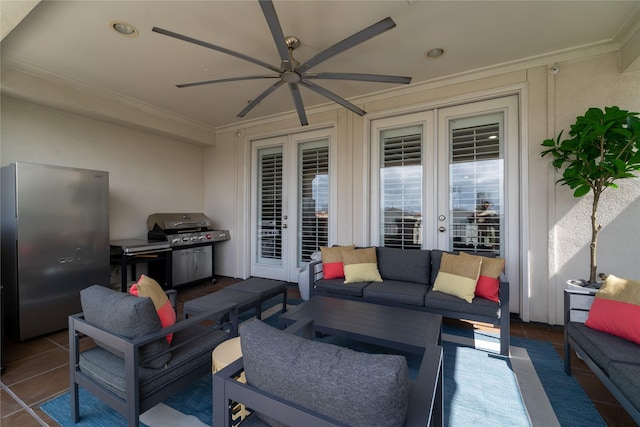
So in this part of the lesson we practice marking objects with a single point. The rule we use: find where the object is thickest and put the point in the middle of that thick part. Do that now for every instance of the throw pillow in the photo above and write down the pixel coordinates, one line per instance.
(147, 287)
(458, 276)
(361, 265)
(488, 284)
(332, 265)
(616, 308)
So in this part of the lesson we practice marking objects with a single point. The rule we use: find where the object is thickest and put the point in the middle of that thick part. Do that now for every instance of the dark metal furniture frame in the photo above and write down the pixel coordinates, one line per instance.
(576, 307)
(133, 405)
(425, 401)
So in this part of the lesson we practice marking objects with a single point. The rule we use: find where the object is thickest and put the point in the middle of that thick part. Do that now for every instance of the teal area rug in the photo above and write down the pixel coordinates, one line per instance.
(481, 388)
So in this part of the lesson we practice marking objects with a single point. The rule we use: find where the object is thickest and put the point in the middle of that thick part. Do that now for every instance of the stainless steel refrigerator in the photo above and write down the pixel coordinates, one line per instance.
(55, 242)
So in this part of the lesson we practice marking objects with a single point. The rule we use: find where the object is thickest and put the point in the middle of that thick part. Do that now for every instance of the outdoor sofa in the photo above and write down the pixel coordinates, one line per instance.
(614, 360)
(408, 277)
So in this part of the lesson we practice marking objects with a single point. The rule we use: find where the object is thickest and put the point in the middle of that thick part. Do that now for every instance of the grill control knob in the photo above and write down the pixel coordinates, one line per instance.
(208, 236)
(175, 241)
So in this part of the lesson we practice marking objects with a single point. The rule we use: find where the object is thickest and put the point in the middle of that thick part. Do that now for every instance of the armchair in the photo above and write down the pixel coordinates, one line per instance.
(365, 389)
(132, 367)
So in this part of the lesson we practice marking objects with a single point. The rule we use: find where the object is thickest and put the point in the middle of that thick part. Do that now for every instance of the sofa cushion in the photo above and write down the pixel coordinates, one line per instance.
(616, 308)
(126, 315)
(441, 302)
(397, 292)
(337, 286)
(602, 348)
(626, 377)
(332, 265)
(488, 284)
(458, 276)
(147, 287)
(348, 386)
(361, 265)
(404, 265)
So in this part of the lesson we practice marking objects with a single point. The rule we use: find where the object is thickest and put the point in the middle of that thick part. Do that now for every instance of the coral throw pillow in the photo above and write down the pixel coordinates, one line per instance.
(458, 276)
(488, 283)
(147, 287)
(616, 309)
(332, 265)
(361, 265)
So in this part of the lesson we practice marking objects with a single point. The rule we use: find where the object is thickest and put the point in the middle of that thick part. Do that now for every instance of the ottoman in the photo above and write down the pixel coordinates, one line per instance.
(264, 289)
(220, 299)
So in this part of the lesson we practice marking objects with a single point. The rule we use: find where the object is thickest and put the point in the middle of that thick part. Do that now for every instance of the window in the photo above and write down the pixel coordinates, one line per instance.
(313, 194)
(401, 187)
(476, 176)
(270, 205)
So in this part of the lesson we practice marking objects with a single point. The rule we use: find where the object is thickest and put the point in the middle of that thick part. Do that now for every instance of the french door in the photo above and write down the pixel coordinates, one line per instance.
(291, 202)
(448, 178)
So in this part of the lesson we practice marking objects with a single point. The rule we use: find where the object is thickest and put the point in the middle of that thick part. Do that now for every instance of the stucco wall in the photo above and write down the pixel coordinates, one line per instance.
(593, 82)
(147, 173)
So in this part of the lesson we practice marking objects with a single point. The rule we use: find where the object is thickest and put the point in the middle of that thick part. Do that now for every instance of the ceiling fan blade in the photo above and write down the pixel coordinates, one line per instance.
(297, 100)
(259, 98)
(214, 47)
(230, 79)
(270, 15)
(351, 41)
(332, 96)
(359, 77)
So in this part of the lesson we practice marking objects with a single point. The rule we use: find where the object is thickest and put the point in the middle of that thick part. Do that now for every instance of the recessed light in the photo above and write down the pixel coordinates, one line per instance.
(124, 29)
(434, 53)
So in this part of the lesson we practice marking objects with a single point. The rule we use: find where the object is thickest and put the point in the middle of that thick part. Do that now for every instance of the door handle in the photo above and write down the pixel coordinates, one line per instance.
(284, 225)
(441, 229)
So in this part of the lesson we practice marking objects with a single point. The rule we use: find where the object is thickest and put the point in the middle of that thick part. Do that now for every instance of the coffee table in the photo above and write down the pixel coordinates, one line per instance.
(398, 328)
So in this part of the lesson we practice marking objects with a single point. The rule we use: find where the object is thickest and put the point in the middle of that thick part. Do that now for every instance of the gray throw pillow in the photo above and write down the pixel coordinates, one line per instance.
(358, 389)
(126, 315)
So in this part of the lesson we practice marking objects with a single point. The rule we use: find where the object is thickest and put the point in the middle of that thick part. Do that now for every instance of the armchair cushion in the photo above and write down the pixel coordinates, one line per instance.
(351, 387)
(128, 316)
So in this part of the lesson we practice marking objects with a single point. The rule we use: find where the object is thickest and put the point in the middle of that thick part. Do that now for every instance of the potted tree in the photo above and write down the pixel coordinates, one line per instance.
(604, 147)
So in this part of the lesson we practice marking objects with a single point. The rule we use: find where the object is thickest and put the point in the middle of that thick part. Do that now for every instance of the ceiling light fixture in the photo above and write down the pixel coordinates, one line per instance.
(124, 29)
(434, 53)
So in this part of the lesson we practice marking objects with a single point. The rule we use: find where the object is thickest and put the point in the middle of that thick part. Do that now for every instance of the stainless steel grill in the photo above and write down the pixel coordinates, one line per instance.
(191, 236)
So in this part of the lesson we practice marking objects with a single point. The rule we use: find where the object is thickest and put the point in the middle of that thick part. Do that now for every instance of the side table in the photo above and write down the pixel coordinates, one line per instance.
(223, 355)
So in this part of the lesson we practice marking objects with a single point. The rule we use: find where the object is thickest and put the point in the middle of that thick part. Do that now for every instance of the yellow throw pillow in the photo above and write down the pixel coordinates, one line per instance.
(361, 265)
(458, 276)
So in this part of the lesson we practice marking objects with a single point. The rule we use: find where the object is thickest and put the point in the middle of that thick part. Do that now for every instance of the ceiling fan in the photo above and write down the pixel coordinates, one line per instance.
(291, 71)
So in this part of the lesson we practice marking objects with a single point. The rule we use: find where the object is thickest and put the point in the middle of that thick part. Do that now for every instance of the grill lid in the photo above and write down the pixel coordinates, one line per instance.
(178, 221)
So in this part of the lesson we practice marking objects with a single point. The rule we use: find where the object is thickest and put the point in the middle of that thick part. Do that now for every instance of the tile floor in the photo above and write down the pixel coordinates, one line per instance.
(37, 370)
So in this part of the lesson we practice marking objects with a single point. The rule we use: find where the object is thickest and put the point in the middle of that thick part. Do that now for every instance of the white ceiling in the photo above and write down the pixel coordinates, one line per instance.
(73, 41)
